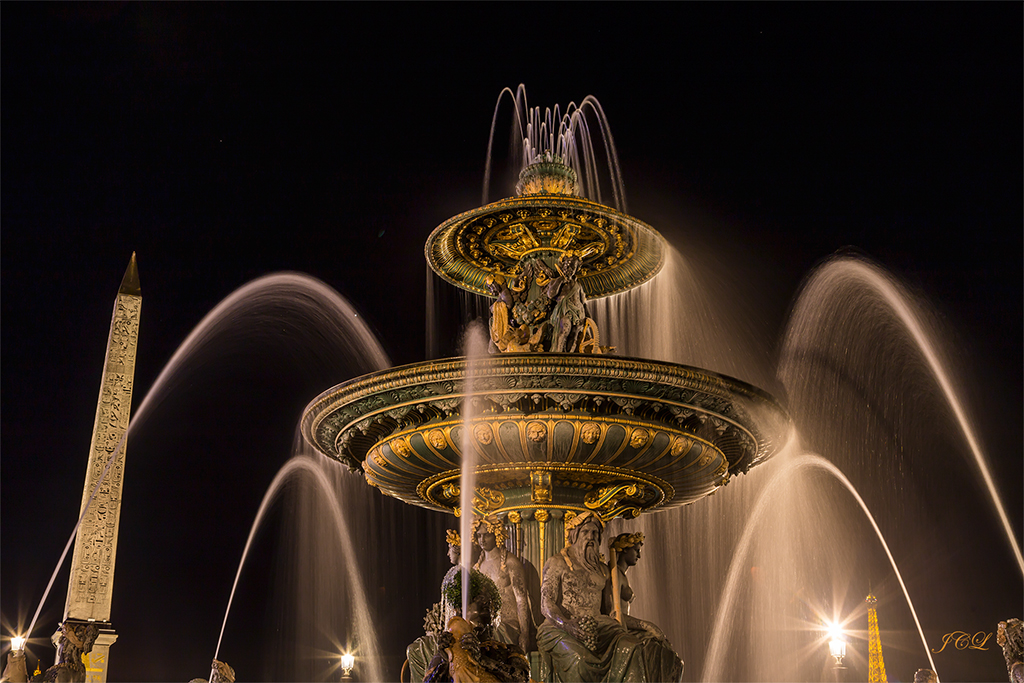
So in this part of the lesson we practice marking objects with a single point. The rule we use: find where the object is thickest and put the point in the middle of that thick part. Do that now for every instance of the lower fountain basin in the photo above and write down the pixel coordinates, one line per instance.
(563, 431)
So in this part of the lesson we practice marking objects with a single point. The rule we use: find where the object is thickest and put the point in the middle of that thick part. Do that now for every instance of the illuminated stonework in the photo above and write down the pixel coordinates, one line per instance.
(618, 252)
(668, 434)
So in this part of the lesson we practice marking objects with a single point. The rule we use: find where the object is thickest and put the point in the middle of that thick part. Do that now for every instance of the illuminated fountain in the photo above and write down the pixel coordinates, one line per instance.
(556, 428)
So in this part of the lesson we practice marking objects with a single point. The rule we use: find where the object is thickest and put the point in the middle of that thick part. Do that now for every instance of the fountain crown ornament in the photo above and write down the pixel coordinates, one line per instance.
(551, 175)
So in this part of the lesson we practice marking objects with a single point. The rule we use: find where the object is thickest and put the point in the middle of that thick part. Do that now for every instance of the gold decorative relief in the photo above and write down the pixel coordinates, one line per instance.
(536, 431)
(639, 437)
(436, 439)
(483, 433)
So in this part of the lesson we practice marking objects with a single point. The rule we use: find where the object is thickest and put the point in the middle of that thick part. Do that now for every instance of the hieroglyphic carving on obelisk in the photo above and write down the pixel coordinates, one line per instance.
(92, 565)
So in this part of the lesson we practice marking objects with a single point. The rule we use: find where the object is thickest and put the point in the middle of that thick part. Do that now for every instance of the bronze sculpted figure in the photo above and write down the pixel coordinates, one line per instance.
(506, 570)
(569, 314)
(467, 651)
(623, 553)
(1010, 636)
(423, 649)
(76, 639)
(585, 643)
(539, 309)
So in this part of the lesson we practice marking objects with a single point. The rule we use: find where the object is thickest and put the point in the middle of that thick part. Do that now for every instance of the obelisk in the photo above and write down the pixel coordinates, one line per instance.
(92, 565)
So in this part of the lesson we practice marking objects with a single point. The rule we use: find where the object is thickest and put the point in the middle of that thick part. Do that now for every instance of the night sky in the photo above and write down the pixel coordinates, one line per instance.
(225, 142)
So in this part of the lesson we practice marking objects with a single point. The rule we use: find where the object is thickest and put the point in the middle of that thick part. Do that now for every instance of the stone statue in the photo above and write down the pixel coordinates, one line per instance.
(506, 571)
(76, 639)
(530, 291)
(539, 309)
(220, 672)
(569, 313)
(467, 651)
(623, 553)
(584, 642)
(503, 333)
(1010, 636)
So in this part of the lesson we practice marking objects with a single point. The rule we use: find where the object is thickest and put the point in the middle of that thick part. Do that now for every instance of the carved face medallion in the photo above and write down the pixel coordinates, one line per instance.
(483, 434)
(590, 432)
(437, 440)
(536, 431)
(639, 438)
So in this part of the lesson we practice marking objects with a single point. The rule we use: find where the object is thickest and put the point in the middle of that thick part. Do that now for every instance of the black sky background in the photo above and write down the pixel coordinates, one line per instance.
(222, 142)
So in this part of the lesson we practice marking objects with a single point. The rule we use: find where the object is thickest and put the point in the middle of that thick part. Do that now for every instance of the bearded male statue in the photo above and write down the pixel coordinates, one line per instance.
(585, 643)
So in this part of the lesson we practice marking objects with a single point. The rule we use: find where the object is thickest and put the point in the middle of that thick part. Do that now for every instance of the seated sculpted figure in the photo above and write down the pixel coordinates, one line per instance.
(1010, 637)
(624, 552)
(506, 570)
(424, 648)
(585, 643)
(467, 651)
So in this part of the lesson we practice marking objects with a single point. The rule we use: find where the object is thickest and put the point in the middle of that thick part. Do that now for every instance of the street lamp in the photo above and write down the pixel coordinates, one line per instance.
(837, 649)
(348, 662)
(16, 670)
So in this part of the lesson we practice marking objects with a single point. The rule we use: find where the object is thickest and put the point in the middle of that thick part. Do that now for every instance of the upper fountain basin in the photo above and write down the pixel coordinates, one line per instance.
(565, 431)
(617, 252)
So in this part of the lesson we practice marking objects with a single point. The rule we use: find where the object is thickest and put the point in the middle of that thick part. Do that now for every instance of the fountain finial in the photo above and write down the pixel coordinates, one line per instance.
(549, 175)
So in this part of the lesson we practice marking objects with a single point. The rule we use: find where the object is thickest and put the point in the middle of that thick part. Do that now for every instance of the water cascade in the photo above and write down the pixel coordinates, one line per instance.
(816, 317)
(304, 465)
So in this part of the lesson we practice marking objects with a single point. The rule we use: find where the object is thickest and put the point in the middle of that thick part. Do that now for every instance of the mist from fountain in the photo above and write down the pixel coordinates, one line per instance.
(794, 460)
(308, 465)
(474, 348)
(830, 311)
(682, 316)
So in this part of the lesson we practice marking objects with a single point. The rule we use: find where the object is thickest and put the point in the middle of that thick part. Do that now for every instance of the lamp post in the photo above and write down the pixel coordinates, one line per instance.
(348, 662)
(837, 649)
(16, 670)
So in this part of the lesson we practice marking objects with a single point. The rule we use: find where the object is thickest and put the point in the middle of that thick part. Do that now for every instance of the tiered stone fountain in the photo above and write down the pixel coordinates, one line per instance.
(559, 425)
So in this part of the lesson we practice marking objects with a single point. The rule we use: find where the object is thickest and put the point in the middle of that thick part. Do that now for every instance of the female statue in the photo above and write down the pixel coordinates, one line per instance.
(623, 553)
(423, 649)
(506, 570)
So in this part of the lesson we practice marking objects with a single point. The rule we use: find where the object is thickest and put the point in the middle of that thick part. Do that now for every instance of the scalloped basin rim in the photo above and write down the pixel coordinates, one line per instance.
(368, 378)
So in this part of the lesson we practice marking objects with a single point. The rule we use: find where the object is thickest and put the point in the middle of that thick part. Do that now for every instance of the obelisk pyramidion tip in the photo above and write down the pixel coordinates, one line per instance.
(130, 282)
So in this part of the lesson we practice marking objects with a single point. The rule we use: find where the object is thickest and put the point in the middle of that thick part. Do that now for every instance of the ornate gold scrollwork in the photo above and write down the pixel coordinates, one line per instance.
(606, 500)
(401, 447)
(485, 500)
